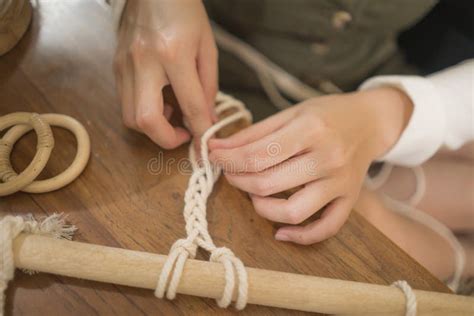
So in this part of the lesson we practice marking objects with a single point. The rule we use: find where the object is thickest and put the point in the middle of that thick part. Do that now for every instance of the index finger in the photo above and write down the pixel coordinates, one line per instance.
(149, 109)
(185, 82)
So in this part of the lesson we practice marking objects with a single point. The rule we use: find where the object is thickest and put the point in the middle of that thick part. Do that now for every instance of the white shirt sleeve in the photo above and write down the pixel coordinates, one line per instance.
(442, 114)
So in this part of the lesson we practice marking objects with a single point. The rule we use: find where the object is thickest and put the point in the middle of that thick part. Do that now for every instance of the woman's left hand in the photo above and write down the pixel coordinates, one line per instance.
(325, 145)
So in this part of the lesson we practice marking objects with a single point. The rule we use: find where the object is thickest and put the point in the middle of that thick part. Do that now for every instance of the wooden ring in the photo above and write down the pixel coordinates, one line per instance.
(45, 143)
(68, 175)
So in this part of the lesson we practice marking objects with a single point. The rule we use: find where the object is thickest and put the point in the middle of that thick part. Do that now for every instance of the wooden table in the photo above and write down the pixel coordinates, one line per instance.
(63, 65)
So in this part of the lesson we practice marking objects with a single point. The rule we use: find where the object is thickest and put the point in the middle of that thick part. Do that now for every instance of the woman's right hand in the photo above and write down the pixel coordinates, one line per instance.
(165, 42)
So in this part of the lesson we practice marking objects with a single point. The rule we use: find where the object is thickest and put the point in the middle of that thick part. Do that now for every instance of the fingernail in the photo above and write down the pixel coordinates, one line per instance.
(281, 237)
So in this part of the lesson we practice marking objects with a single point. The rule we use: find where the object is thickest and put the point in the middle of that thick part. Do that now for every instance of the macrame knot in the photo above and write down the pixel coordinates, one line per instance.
(199, 188)
(220, 254)
(185, 245)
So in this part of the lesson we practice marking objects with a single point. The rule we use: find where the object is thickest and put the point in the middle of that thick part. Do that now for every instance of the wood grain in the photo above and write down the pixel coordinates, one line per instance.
(63, 65)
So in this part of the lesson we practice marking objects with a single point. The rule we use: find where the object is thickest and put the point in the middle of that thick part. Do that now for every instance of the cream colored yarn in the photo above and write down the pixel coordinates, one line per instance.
(410, 297)
(200, 186)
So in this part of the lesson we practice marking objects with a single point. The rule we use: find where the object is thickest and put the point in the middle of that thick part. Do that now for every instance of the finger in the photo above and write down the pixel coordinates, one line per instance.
(167, 111)
(149, 109)
(253, 132)
(124, 83)
(185, 82)
(127, 96)
(289, 174)
(334, 216)
(266, 152)
(208, 73)
(124, 75)
(299, 206)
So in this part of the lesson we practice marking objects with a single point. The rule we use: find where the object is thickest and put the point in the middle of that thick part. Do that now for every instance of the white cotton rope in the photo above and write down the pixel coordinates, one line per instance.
(11, 227)
(439, 228)
(275, 81)
(409, 210)
(199, 188)
(375, 183)
(410, 297)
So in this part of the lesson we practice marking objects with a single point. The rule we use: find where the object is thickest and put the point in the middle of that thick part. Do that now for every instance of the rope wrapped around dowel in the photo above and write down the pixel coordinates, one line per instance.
(11, 226)
(199, 188)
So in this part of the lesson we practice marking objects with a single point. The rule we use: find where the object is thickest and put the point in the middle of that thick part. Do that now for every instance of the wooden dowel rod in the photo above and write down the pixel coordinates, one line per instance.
(206, 279)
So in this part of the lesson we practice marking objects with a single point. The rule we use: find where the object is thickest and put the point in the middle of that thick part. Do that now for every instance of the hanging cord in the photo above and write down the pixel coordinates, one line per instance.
(439, 228)
(272, 77)
(375, 183)
(409, 210)
(10, 227)
(199, 188)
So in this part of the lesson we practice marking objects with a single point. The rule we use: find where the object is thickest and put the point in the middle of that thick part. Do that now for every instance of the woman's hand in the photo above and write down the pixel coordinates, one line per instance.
(166, 42)
(325, 145)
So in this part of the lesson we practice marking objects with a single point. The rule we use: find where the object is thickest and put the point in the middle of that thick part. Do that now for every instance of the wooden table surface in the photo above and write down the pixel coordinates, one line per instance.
(63, 65)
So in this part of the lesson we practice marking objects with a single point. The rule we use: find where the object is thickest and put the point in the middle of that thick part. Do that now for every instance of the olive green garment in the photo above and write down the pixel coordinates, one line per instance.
(340, 41)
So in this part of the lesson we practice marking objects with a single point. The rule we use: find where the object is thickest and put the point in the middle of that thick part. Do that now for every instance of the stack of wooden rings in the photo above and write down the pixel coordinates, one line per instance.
(22, 122)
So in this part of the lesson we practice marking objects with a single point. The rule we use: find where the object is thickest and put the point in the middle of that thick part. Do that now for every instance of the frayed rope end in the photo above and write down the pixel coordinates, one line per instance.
(54, 226)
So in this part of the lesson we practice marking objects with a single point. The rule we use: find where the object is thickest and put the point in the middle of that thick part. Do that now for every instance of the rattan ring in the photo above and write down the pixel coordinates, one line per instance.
(13, 182)
(68, 175)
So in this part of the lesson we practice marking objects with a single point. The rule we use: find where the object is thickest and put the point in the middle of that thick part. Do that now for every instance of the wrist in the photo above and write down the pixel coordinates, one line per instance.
(391, 110)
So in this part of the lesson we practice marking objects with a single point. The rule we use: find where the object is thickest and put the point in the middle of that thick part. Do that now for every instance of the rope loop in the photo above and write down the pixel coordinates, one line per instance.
(185, 245)
(232, 265)
(181, 250)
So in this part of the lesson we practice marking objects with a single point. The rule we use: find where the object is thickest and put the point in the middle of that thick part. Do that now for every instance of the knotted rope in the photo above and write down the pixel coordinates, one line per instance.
(199, 188)
(11, 227)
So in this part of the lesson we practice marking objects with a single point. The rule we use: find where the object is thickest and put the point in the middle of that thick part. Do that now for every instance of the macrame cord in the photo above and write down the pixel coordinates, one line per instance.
(408, 209)
(410, 297)
(199, 188)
